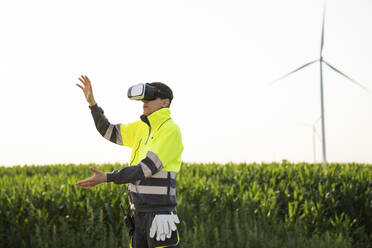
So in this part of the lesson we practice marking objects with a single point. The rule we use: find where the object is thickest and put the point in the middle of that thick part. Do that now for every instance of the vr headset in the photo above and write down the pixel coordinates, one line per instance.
(144, 92)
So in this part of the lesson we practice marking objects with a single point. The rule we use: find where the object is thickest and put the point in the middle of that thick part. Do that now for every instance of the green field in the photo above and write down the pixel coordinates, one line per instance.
(232, 205)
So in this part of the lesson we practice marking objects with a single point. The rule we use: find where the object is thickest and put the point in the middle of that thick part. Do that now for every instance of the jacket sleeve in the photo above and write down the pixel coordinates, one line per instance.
(128, 174)
(121, 134)
(163, 154)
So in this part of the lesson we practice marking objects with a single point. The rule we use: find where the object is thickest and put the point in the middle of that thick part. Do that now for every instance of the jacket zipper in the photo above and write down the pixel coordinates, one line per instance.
(146, 120)
(135, 153)
(148, 135)
(157, 130)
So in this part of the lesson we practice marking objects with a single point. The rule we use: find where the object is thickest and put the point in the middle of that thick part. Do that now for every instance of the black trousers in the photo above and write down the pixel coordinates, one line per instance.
(141, 236)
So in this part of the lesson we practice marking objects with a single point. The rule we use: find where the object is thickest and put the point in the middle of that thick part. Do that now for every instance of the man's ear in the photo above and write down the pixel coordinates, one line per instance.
(165, 102)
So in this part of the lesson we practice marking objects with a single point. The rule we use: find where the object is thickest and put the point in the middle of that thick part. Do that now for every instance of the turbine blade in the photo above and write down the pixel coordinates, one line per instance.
(322, 36)
(317, 120)
(299, 68)
(304, 124)
(343, 74)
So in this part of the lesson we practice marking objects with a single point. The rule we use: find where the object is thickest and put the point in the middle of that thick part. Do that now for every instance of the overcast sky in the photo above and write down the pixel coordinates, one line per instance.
(217, 56)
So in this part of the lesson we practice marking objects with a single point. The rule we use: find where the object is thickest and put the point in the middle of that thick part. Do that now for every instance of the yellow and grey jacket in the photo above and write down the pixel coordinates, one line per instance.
(156, 144)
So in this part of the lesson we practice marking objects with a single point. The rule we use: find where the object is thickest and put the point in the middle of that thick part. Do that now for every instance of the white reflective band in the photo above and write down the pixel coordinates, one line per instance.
(146, 170)
(172, 191)
(116, 129)
(173, 175)
(164, 174)
(161, 174)
(119, 139)
(152, 190)
(108, 132)
(155, 159)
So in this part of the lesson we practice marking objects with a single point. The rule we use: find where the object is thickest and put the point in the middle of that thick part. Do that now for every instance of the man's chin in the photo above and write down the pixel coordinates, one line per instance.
(147, 112)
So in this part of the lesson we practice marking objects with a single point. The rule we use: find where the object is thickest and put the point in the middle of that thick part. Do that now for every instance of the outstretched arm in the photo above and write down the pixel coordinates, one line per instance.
(87, 89)
(128, 174)
(97, 178)
(105, 128)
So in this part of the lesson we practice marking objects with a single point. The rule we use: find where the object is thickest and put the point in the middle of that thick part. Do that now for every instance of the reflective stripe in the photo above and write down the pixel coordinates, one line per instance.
(151, 164)
(153, 190)
(146, 170)
(172, 191)
(161, 174)
(119, 139)
(155, 159)
(116, 129)
(147, 161)
(140, 189)
(108, 132)
(173, 175)
(164, 174)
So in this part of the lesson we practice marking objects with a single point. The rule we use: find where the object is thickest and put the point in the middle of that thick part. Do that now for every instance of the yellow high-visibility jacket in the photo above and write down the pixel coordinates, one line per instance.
(156, 144)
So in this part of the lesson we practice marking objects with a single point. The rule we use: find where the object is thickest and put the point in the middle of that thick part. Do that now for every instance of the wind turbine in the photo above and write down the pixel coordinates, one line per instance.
(315, 133)
(321, 61)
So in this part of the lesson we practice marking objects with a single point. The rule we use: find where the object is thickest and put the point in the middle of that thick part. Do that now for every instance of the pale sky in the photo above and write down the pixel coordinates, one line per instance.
(217, 56)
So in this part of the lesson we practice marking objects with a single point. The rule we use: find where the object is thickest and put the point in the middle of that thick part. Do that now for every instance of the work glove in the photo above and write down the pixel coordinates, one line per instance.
(163, 225)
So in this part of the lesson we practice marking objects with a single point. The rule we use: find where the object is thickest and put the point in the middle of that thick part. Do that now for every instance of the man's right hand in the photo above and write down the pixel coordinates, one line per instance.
(87, 89)
(97, 178)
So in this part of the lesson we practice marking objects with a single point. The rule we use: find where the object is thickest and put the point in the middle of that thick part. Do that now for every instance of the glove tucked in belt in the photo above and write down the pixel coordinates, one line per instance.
(163, 225)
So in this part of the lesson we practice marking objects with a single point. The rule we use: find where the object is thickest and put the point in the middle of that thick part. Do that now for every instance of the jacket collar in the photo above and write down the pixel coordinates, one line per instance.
(157, 118)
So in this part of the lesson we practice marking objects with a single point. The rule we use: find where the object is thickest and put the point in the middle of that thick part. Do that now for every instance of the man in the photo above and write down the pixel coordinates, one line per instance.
(156, 144)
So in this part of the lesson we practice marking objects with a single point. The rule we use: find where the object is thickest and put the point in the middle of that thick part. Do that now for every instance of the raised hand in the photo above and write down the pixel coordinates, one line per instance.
(97, 178)
(87, 89)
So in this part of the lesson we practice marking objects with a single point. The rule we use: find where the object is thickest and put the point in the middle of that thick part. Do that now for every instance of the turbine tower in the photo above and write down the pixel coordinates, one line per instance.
(315, 133)
(321, 61)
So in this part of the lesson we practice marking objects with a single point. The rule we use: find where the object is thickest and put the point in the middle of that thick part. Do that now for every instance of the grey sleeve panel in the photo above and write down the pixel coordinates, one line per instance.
(105, 128)
(151, 164)
(129, 174)
(113, 134)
